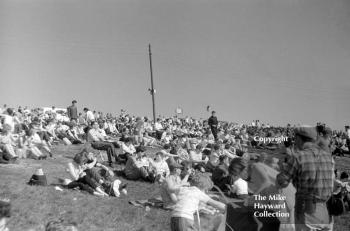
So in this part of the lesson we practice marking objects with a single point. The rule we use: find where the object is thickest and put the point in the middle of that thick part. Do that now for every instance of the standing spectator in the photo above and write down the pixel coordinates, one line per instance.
(89, 116)
(213, 123)
(72, 111)
(310, 169)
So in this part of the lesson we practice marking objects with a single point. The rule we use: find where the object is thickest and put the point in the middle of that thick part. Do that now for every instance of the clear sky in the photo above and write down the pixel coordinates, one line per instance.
(278, 61)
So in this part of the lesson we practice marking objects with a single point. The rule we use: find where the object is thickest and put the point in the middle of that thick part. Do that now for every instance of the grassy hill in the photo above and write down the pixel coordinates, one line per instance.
(34, 206)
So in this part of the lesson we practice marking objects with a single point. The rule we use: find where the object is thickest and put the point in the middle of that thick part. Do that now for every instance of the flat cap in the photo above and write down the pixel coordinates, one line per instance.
(306, 131)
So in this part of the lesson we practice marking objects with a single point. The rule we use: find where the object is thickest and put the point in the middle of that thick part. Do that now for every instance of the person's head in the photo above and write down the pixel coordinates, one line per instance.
(224, 160)
(175, 168)
(74, 102)
(202, 182)
(85, 109)
(158, 157)
(273, 162)
(236, 167)
(199, 148)
(94, 125)
(127, 140)
(166, 146)
(216, 147)
(213, 113)
(140, 151)
(79, 159)
(5, 213)
(9, 111)
(262, 157)
(304, 135)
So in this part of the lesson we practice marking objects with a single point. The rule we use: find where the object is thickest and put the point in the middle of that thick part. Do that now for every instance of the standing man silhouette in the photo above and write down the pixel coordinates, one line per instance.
(213, 123)
(72, 111)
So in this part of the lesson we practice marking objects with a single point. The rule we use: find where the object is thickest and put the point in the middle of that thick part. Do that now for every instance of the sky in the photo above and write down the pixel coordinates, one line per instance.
(279, 61)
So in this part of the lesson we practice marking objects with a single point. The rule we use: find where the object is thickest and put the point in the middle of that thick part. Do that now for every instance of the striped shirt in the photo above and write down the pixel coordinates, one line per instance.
(311, 172)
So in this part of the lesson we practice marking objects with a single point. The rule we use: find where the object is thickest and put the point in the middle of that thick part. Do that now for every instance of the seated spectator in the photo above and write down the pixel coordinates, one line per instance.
(112, 128)
(99, 142)
(72, 133)
(127, 148)
(220, 174)
(196, 158)
(342, 189)
(229, 151)
(213, 159)
(7, 141)
(160, 166)
(238, 186)
(171, 183)
(33, 143)
(81, 179)
(187, 203)
(148, 140)
(137, 167)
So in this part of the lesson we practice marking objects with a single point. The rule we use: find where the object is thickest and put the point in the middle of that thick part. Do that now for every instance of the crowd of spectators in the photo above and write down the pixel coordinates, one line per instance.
(187, 148)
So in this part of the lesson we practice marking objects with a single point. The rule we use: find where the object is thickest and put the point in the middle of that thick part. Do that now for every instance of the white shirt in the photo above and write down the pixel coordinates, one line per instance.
(90, 116)
(241, 186)
(9, 121)
(158, 126)
(188, 200)
(161, 167)
(129, 149)
(195, 155)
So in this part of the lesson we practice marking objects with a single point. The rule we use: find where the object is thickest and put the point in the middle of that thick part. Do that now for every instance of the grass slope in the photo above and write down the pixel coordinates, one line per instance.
(34, 206)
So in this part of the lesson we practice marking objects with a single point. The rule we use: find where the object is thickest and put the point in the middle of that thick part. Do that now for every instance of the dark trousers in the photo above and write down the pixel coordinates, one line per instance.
(214, 130)
(81, 186)
(181, 224)
(94, 174)
(85, 183)
(106, 146)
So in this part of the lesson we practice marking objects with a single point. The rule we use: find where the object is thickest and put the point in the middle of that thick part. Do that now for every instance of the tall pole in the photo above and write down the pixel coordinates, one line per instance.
(152, 91)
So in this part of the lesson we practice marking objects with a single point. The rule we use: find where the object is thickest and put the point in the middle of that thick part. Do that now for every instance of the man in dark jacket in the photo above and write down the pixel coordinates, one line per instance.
(72, 111)
(213, 123)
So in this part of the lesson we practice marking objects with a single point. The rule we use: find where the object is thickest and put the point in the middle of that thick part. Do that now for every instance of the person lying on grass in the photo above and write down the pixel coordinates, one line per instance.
(188, 200)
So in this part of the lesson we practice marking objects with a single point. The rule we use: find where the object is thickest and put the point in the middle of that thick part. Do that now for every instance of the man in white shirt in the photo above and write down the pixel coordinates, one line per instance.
(187, 203)
(99, 142)
(89, 116)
